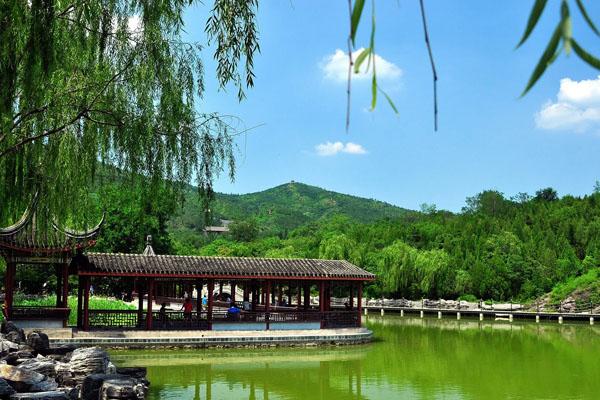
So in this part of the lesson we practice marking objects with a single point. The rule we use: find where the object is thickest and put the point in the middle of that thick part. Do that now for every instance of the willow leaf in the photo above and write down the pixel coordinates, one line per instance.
(587, 17)
(534, 17)
(585, 56)
(360, 59)
(374, 91)
(390, 102)
(355, 18)
(372, 39)
(546, 59)
(567, 26)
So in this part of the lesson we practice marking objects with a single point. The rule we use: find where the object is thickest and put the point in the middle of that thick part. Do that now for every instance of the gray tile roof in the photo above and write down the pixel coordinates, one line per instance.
(239, 267)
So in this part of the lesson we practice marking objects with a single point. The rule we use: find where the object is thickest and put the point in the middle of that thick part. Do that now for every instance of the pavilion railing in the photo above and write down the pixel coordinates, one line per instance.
(132, 319)
(39, 313)
(113, 319)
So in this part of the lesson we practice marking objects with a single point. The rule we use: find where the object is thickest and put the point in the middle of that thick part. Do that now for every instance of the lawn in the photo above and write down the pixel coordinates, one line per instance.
(96, 302)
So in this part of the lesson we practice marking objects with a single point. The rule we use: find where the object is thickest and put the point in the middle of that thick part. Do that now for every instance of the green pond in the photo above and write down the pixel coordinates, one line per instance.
(411, 358)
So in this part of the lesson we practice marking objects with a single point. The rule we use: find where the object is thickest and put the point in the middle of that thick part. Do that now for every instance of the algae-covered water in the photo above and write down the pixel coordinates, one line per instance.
(411, 359)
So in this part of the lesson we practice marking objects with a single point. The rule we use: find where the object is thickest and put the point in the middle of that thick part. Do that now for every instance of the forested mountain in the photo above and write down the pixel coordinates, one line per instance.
(496, 247)
(278, 210)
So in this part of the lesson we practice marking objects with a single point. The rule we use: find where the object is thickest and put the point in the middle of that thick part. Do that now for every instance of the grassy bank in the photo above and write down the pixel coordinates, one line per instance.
(96, 302)
(584, 288)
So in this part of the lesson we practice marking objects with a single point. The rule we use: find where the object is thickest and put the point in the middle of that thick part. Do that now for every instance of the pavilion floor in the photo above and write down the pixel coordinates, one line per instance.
(201, 339)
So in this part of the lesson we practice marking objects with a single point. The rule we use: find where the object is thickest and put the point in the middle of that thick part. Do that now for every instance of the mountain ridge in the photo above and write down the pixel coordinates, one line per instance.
(282, 208)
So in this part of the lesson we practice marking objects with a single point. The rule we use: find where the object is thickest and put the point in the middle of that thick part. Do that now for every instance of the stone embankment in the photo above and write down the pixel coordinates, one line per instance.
(32, 370)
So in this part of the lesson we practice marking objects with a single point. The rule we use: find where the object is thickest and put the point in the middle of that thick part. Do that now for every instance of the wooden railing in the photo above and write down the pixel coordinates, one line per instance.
(39, 313)
(131, 319)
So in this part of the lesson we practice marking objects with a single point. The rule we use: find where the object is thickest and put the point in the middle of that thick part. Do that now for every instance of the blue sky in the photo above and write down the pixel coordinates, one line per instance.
(489, 138)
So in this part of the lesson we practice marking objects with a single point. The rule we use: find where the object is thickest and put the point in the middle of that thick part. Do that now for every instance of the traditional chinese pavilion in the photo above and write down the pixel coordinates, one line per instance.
(269, 293)
(26, 242)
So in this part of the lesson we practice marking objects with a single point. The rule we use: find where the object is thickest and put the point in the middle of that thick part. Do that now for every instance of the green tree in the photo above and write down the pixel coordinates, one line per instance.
(112, 82)
(131, 214)
(244, 231)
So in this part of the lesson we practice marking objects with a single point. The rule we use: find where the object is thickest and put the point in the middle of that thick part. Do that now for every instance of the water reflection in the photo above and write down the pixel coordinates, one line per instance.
(412, 358)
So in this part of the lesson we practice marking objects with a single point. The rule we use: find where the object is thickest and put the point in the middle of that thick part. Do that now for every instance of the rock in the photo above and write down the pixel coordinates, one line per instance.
(12, 332)
(121, 388)
(51, 395)
(5, 389)
(7, 346)
(111, 368)
(24, 354)
(15, 337)
(86, 361)
(18, 374)
(39, 342)
(72, 393)
(90, 388)
(43, 365)
(19, 378)
(61, 350)
(134, 372)
(48, 384)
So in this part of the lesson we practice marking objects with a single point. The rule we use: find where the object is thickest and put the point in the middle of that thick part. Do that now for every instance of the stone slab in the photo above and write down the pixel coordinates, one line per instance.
(141, 339)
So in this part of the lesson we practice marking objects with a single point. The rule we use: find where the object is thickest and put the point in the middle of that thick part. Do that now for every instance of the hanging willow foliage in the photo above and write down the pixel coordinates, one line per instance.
(112, 82)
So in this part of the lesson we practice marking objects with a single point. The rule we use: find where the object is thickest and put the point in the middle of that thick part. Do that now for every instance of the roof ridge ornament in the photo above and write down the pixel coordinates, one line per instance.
(149, 251)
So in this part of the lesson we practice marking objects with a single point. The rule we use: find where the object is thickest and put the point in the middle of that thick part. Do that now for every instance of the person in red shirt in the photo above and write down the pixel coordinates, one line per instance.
(187, 309)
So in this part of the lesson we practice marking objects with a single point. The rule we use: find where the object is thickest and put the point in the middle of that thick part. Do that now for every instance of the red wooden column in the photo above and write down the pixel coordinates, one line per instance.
(254, 290)
(268, 303)
(246, 291)
(299, 296)
(140, 311)
(211, 288)
(59, 282)
(199, 285)
(328, 297)
(307, 296)
(351, 295)
(9, 285)
(359, 305)
(322, 301)
(80, 303)
(86, 304)
(233, 289)
(65, 289)
(150, 301)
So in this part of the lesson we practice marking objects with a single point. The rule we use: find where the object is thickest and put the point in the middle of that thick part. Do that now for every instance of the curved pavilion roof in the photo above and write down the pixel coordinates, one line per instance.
(27, 237)
(108, 264)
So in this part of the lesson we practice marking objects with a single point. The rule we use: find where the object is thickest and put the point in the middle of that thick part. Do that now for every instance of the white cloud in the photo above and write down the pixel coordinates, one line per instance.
(333, 148)
(335, 67)
(577, 107)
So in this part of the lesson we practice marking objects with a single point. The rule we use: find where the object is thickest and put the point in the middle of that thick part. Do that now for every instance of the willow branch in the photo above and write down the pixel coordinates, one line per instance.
(350, 63)
(432, 62)
(80, 114)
